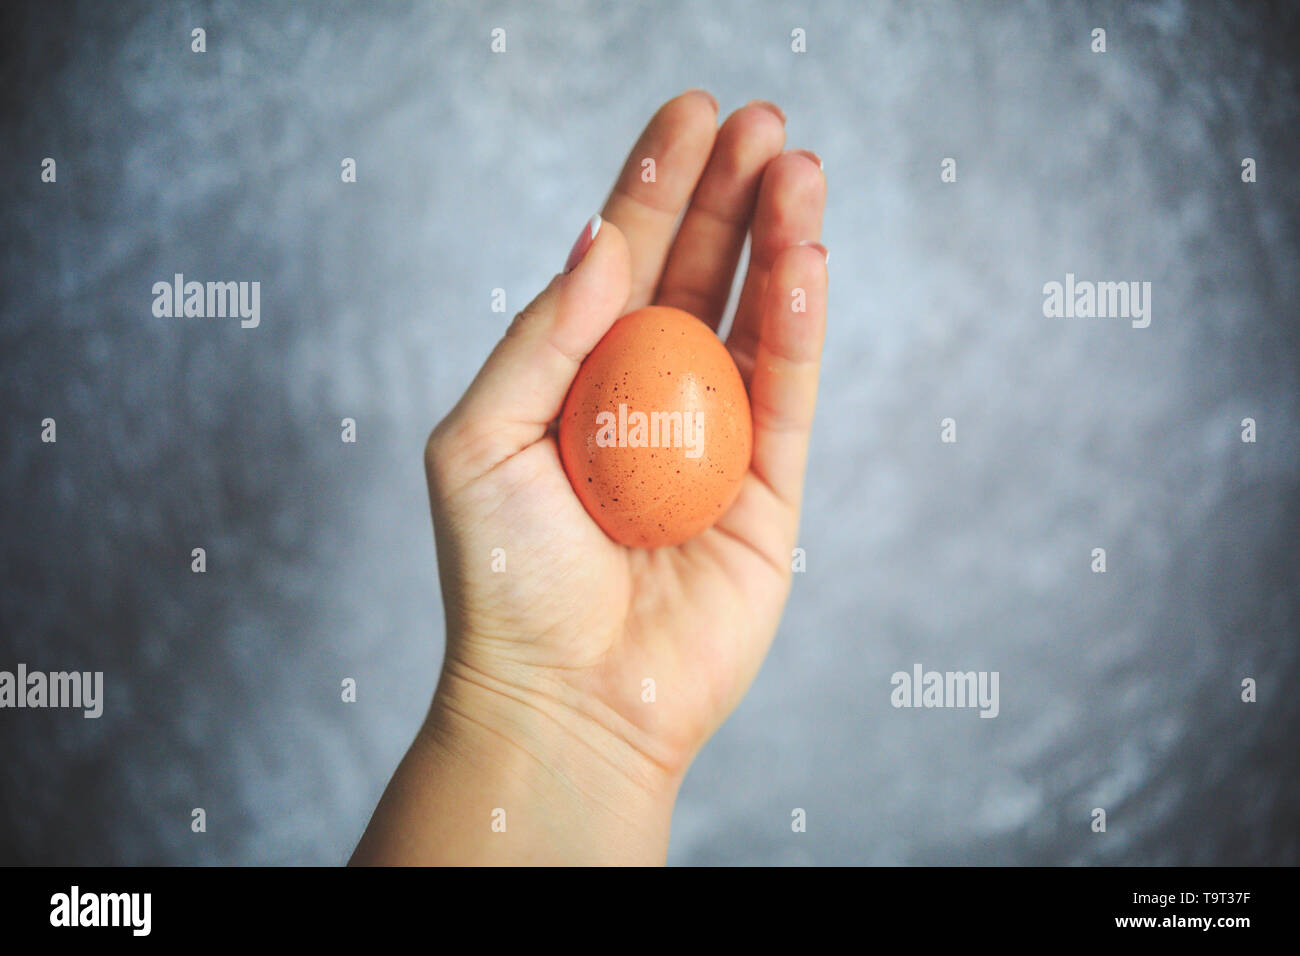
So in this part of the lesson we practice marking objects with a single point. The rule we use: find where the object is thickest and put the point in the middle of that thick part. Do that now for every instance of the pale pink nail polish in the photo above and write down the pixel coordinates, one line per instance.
(826, 253)
(707, 95)
(769, 106)
(813, 156)
(584, 242)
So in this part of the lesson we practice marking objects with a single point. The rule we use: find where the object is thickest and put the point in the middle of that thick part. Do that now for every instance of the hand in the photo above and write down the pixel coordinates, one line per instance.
(541, 711)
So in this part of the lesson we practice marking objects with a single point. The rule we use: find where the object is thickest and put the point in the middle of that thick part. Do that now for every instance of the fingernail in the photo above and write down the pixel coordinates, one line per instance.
(813, 156)
(584, 242)
(770, 107)
(826, 253)
(707, 95)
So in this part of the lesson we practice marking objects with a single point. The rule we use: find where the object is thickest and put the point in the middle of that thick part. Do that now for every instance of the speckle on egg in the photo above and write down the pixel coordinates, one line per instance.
(664, 495)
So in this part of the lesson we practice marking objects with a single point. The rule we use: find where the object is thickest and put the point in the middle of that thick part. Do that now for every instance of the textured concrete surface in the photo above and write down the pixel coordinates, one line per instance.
(475, 172)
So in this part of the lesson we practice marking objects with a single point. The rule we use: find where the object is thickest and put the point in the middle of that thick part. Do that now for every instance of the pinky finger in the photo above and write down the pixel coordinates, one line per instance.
(783, 387)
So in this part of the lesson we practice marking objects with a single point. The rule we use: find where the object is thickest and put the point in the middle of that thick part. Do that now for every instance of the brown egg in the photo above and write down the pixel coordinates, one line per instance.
(655, 434)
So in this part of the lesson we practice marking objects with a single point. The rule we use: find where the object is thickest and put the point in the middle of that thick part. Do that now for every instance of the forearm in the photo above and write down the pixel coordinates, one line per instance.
(492, 779)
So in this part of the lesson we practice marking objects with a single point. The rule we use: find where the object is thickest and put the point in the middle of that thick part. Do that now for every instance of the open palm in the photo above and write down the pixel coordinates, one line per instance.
(652, 647)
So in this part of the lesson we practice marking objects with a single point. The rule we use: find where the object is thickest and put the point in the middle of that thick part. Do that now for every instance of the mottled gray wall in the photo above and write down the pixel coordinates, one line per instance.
(1118, 690)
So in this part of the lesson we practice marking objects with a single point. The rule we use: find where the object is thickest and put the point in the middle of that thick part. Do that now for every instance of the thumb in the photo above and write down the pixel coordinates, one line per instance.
(521, 386)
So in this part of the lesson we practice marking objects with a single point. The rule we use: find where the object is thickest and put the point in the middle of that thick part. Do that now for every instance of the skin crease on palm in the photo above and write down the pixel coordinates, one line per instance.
(539, 747)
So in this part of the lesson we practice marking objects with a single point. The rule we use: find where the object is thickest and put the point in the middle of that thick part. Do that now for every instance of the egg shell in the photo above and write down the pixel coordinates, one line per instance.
(656, 360)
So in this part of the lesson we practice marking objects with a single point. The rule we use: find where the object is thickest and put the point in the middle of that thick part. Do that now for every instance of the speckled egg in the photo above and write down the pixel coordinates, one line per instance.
(656, 434)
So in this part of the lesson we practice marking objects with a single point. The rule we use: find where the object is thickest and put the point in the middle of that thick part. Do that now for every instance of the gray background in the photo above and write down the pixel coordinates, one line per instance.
(476, 171)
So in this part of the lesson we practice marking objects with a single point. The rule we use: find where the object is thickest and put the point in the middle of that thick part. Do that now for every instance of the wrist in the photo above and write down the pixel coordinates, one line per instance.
(540, 780)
